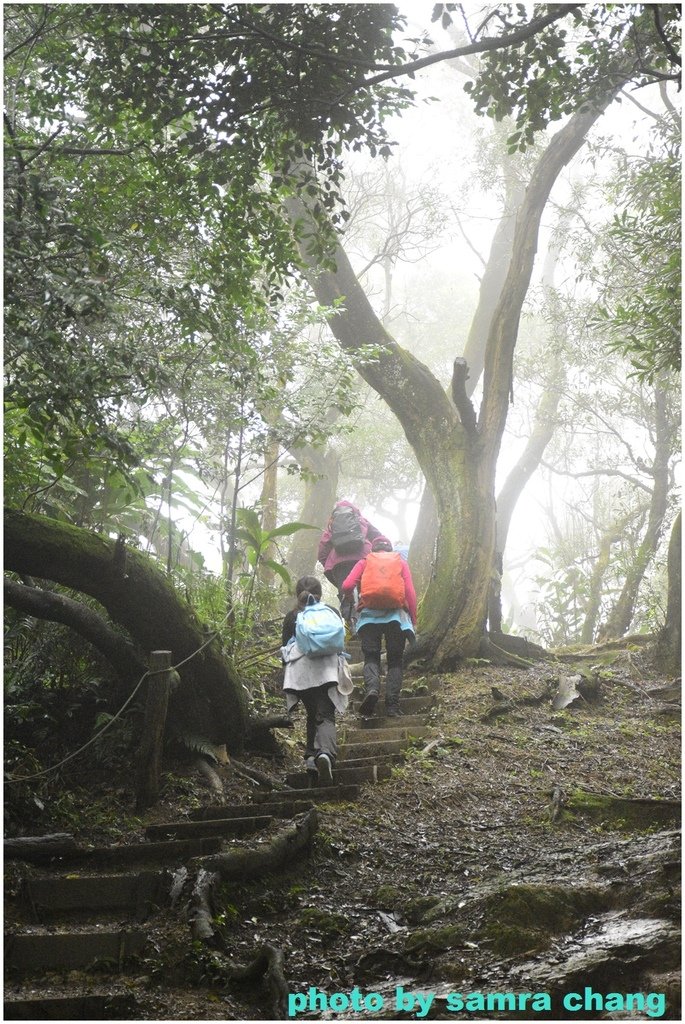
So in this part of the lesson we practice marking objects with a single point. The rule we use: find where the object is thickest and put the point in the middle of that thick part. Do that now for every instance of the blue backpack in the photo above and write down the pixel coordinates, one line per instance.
(319, 630)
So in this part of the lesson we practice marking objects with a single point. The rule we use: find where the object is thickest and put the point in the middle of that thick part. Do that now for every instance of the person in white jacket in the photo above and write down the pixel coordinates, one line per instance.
(314, 681)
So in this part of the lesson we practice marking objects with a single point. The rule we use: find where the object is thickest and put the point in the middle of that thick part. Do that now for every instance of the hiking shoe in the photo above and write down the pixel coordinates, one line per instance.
(325, 769)
(393, 712)
(368, 705)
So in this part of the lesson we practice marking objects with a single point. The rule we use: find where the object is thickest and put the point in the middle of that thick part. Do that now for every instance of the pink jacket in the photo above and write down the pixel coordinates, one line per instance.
(327, 554)
(351, 581)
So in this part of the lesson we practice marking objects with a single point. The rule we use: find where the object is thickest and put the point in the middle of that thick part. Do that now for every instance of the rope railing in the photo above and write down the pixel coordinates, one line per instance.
(96, 736)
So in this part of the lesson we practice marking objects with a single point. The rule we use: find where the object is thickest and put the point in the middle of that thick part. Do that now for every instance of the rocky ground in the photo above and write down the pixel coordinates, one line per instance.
(517, 849)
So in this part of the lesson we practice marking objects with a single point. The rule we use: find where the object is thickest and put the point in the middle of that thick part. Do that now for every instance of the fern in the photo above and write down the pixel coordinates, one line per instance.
(199, 745)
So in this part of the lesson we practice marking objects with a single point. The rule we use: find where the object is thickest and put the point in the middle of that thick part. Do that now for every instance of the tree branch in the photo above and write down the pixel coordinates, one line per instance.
(596, 472)
(46, 604)
(464, 406)
(480, 46)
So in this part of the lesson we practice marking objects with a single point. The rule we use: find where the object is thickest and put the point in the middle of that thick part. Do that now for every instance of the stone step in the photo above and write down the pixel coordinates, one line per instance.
(371, 749)
(287, 807)
(137, 892)
(379, 760)
(231, 826)
(408, 705)
(325, 794)
(391, 732)
(380, 723)
(173, 851)
(36, 952)
(341, 776)
(94, 1006)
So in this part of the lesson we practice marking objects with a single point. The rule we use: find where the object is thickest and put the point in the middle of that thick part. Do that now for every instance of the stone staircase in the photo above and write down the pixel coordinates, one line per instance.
(90, 909)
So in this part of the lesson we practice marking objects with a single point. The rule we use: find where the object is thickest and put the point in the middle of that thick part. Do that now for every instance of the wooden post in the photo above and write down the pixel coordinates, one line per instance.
(150, 751)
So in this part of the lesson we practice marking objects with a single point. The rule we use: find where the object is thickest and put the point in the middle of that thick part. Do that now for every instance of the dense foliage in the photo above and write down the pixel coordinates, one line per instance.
(158, 342)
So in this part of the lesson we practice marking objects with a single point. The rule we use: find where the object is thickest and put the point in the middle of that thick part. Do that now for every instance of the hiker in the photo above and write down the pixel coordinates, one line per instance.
(346, 539)
(387, 609)
(313, 678)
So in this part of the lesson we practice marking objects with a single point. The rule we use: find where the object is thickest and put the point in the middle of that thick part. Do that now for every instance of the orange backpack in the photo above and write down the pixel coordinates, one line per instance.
(382, 584)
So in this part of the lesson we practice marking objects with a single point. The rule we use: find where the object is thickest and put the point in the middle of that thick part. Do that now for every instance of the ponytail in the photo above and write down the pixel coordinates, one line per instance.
(306, 587)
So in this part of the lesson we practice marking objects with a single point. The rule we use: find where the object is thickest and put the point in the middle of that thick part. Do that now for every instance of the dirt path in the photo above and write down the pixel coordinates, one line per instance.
(492, 861)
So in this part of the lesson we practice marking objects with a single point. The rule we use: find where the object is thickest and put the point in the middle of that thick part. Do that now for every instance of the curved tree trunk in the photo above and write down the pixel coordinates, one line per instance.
(456, 452)
(423, 545)
(669, 647)
(210, 701)
(46, 604)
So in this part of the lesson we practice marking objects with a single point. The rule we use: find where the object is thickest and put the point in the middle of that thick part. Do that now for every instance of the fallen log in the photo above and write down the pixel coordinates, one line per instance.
(252, 863)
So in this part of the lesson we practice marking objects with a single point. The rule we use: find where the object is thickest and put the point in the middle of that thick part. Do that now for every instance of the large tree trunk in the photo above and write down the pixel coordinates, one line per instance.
(456, 452)
(422, 547)
(320, 494)
(620, 617)
(210, 701)
(669, 646)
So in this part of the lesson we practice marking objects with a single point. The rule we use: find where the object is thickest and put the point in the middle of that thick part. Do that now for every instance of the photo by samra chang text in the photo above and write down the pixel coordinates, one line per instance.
(419, 1003)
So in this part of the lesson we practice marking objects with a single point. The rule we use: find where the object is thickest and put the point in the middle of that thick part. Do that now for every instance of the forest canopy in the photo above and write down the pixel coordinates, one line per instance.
(235, 291)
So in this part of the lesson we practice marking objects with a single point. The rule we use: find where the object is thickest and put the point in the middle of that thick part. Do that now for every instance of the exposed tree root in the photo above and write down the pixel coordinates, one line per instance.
(251, 863)
(202, 907)
(502, 708)
(267, 964)
(517, 651)
(253, 774)
(210, 775)
(242, 864)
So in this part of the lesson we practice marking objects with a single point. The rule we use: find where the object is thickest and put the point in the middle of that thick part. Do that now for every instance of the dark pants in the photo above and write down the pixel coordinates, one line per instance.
(371, 636)
(320, 722)
(337, 576)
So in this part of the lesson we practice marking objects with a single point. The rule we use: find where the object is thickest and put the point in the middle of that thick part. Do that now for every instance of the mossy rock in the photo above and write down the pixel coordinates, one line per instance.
(454, 970)
(328, 924)
(387, 897)
(511, 940)
(623, 813)
(415, 910)
(435, 940)
(549, 908)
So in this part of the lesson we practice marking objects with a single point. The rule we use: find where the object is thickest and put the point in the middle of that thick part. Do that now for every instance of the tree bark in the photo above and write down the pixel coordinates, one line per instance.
(610, 537)
(669, 646)
(621, 615)
(209, 700)
(422, 547)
